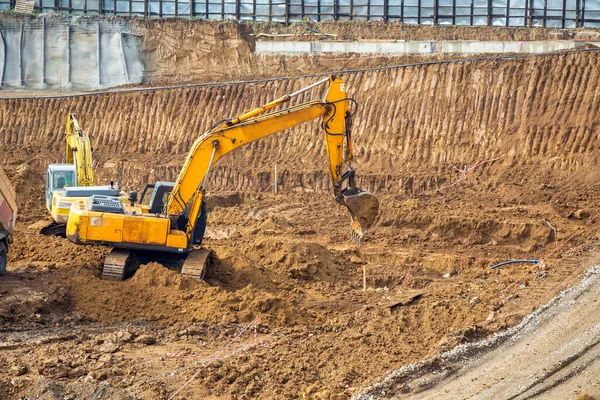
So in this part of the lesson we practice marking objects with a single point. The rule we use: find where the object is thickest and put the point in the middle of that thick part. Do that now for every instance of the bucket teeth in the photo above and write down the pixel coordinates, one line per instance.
(357, 237)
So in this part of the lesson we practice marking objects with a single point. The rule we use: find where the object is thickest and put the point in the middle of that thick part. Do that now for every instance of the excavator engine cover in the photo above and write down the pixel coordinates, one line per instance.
(363, 207)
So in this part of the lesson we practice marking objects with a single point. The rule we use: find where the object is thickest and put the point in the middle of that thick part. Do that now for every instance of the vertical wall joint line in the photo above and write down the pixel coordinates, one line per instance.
(123, 59)
(98, 54)
(3, 58)
(43, 51)
(21, 77)
(68, 54)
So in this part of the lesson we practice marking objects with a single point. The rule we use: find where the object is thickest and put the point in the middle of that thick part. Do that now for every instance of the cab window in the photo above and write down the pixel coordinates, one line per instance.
(62, 179)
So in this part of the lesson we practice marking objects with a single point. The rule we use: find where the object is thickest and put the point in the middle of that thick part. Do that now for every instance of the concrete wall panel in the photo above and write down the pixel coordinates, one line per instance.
(64, 52)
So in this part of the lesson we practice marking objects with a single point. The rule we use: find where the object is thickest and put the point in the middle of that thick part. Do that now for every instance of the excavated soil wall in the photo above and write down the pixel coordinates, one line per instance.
(412, 126)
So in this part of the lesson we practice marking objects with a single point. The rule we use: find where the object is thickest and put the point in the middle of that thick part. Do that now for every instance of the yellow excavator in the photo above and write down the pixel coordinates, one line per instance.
(170, 228)
(72, 180)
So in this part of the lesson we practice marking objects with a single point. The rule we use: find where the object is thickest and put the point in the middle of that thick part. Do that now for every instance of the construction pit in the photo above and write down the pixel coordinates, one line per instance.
(474, 162)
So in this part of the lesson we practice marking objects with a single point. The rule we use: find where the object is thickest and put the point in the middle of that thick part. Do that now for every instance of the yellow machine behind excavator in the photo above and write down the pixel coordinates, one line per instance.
(72, 180)
(174, 221)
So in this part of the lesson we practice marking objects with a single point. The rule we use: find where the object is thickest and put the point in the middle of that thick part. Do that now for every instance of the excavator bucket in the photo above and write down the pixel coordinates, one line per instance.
(363, 207)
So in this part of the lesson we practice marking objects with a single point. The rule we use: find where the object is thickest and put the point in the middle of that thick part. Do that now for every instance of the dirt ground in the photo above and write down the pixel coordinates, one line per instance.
(551, 354)
(474, 163)
(283, 314)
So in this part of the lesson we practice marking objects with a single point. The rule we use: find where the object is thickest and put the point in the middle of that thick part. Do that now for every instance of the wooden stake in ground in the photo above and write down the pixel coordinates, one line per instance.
(364, 277)
(275, 184)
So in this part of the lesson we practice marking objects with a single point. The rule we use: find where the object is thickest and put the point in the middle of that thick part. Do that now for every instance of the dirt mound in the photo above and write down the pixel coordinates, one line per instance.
(29, 185)
(155, 275)
(22, 306)
(299, 260)
(471, 113)
(158, 294)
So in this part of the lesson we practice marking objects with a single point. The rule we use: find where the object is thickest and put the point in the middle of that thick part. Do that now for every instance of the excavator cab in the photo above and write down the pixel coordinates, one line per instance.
(155, 196)
(57, 177)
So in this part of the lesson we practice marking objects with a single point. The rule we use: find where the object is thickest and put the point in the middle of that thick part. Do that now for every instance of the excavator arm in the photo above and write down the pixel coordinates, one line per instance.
(79, 152)
(188, 193)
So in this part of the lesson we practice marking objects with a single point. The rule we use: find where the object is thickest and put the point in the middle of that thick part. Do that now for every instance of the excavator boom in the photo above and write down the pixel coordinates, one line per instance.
(79, 152)
(254, 125)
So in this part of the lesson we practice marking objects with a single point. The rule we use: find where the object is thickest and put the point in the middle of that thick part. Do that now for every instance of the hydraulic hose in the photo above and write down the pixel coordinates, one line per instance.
(514, 262)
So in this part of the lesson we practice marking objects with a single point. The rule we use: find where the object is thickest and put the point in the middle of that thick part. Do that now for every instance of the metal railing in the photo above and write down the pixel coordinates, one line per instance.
(546, 13)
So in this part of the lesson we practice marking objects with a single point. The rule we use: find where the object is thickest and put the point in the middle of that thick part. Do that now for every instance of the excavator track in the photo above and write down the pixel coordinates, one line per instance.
(49, 228)
(116, 265)
(197, 263)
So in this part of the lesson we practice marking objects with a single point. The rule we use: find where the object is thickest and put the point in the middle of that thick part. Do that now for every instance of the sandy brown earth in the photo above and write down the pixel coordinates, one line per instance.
(395, 30)
(551, 354)
(474, 163)
(285, 260)
(181, 51)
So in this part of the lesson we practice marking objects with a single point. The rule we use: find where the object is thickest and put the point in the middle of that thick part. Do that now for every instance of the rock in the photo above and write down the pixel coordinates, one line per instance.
(50, 362)
(124, 336)
(490, 317)
(19, 382)
(579, 214)
(18, 369)
(109, 348)
(357, 260)
(100, 375)
(190, 331)
(77, 372)
(106, 358)
(146, 339)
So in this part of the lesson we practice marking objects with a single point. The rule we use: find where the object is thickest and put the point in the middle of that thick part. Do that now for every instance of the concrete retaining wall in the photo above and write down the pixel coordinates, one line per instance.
(414, 47)
(68, 53)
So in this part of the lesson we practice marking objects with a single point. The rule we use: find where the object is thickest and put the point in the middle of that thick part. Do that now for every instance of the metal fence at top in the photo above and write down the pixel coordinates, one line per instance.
(546, 13)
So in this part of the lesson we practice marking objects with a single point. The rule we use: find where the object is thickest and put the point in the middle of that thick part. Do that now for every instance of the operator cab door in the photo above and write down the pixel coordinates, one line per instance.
(48, 189)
